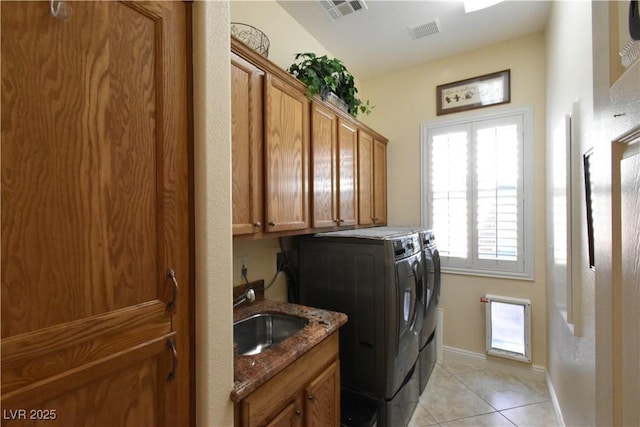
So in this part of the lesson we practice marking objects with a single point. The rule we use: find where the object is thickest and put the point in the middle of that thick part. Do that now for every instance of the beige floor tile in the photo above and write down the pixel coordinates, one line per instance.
(422, 418)
(494, 419)
(539, 414)
(539, 385)
(446, 398)
(454, 367)
(439, 371)
(500, 390)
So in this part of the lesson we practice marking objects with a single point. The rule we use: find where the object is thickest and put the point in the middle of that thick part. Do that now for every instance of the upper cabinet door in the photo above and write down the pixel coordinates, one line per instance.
(286, 146)
(348, 173)
(379, 181)
(365, 178)
(247, 87)
(95, 213)
(372, 184)
(324, 155)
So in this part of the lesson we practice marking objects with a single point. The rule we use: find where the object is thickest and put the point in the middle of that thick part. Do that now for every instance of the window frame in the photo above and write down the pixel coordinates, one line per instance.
(471, 265)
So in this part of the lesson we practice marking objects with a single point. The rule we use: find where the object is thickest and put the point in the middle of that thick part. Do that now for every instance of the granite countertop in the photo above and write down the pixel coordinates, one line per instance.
(250, 372)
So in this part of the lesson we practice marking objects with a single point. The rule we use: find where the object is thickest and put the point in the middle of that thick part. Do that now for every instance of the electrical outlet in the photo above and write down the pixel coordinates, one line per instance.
(243, 263)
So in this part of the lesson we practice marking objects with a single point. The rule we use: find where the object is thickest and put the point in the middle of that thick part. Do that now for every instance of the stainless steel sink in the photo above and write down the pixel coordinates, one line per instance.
(263, 330)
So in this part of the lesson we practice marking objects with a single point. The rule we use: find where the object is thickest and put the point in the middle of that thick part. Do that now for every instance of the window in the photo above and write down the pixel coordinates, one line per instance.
(478, 193)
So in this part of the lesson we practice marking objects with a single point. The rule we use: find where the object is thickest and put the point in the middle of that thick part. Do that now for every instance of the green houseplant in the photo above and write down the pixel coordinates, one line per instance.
(323, 76)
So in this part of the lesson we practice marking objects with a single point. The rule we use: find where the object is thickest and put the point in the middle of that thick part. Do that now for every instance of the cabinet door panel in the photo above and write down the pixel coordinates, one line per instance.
(324, 151)
(291, 416)
(379, 182)
(348, 173)
(246, 137)
(286, 157)
(95, 210)
(322, 398)
(365, 178)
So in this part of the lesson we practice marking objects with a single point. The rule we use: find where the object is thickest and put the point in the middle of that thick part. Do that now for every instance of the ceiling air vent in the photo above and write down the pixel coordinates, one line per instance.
(425, 30)
(339, 8)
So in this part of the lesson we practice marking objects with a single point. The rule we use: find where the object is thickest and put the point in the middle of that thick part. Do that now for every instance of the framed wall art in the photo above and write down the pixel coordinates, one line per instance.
(477, 92)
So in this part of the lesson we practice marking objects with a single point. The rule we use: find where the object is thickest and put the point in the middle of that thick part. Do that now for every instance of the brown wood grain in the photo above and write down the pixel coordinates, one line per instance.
(246, 136)
(273, 397)
(380, 181)
(324, 152)
(322, 398)
(95, 209)
(365, 178)
(286, 157)
(348, 173)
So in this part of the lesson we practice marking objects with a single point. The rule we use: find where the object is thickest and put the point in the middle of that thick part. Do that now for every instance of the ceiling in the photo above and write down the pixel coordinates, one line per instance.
(376, 40)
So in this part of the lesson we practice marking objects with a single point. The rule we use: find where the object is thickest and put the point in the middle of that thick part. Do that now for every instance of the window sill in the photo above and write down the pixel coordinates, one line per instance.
(484, 273)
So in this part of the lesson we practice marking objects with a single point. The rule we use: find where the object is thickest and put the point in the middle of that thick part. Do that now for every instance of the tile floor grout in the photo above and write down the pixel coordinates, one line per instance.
(526, 404)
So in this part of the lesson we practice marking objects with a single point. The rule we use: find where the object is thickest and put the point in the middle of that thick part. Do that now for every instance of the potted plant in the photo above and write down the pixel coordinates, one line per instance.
(324, 76)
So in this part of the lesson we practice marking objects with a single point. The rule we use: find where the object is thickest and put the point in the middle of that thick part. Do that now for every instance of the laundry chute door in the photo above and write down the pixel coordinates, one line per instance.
(94, 214)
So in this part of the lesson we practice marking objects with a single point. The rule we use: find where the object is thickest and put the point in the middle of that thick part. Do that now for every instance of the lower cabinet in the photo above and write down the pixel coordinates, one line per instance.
(306, 393)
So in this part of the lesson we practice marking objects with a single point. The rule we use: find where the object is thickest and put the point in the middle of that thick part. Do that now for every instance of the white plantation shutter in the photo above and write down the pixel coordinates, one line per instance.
(475, 194)
(450, 191)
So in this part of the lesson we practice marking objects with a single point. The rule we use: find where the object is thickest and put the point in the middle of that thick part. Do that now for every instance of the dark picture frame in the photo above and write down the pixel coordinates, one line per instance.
(588, 181)
(477, 92)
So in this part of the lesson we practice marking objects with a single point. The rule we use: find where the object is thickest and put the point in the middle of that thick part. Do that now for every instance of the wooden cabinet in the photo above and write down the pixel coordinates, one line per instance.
(334, 169)
(372, 179)
(379, 181)
(286, 146)
(304, 394)
(95, 215)
(247, 83)
(347, 173)
(298, 165)
(322, 398)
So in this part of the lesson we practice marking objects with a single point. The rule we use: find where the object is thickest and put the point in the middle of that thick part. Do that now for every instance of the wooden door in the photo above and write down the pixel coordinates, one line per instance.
(630, 279)
(286, 146)
(379, 182)
(95, 213)
(322, 398)
(365, 178)
(348, 173)
(246, 137)
(324, 153)
(291, 416)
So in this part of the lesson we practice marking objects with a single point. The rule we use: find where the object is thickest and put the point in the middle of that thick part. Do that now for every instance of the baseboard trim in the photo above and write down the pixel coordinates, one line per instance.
(554, 399)
(505, 365)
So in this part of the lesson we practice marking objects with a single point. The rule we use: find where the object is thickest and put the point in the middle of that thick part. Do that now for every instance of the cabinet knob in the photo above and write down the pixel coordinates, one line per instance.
(311, 397)
(257, 224)
(272, 224)
(298, 412)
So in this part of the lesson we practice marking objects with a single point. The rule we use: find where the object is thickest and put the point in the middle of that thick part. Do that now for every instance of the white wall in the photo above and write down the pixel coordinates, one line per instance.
(406, 99)
(212, 140)
(571, 358)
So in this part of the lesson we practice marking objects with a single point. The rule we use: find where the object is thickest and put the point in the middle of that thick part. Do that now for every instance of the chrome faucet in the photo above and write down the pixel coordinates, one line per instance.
(249, 295)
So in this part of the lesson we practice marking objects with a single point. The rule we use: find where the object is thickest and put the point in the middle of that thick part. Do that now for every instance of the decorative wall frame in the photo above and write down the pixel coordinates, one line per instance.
(588, 184)
(477, 92)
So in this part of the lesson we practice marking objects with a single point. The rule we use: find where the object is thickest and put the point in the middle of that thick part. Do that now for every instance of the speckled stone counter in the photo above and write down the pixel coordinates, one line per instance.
(250, 372)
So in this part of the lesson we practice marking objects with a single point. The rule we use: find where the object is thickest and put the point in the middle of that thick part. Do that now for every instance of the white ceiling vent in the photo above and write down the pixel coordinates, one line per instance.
(339, 8)
(425, 30)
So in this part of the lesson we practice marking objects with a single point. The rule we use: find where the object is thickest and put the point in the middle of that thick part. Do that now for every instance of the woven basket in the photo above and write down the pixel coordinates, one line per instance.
(251, 36)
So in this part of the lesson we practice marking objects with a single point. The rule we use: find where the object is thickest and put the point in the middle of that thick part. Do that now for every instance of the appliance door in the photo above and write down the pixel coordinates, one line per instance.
(436, 275)
(411, 290)
(409, 317)
(432, 271)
